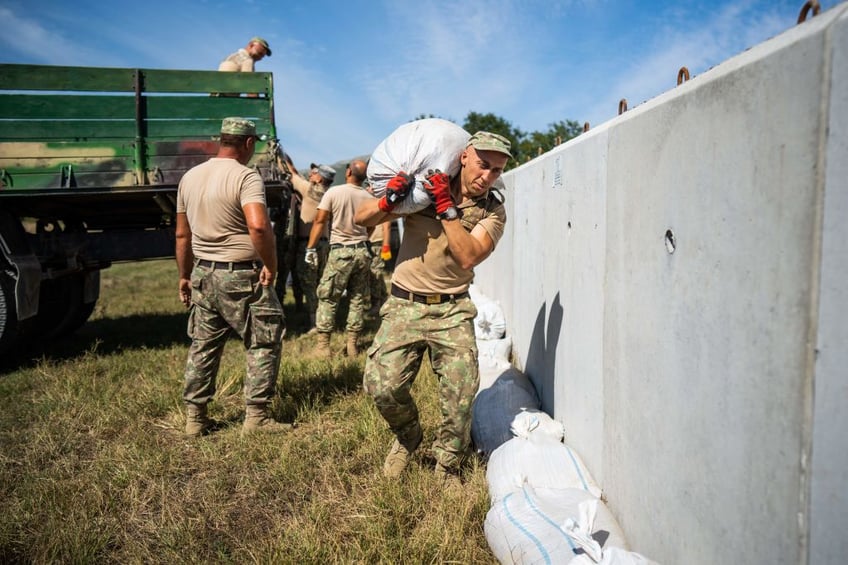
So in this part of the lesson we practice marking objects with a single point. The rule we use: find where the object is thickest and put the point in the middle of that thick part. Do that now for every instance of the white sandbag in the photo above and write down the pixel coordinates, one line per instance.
(416, 148)
(490, 322)
(497, 405)
(537, 424)
(528, 525)
(490, 369)
(539, 462)
(494, 351)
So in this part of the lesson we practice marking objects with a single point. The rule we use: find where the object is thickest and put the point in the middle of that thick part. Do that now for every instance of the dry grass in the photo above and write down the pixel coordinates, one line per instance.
(93, 467)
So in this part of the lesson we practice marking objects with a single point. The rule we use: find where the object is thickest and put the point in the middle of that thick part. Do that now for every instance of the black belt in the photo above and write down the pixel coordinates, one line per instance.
(235, 266)
(351, 246)
(426, 298)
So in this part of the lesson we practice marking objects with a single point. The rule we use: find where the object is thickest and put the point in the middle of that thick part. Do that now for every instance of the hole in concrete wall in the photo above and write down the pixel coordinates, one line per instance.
(670, 242)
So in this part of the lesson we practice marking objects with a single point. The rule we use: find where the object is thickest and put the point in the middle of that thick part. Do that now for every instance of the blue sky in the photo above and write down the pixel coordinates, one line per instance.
(348, 73)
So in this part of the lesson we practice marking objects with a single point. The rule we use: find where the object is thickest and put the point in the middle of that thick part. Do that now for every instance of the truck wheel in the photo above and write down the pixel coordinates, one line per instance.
(61, 309)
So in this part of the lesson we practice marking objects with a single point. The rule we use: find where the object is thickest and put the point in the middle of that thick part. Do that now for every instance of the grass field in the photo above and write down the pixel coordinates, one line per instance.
(94, 467)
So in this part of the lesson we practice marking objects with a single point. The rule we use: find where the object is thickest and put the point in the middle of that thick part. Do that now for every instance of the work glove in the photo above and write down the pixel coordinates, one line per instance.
(311, 257)
(438, 188)
(397, 189)
(385, 253)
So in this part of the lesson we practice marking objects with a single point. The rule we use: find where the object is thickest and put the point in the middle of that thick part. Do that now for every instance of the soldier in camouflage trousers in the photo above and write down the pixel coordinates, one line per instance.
(227, 263)
(348, 265)
(429, 310)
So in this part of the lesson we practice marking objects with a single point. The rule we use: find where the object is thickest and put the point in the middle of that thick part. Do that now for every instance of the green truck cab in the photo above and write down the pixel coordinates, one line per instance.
(90, 160)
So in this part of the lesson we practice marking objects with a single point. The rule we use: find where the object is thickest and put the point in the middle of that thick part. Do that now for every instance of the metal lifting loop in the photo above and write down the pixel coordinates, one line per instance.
(682, 75)
(809, 5)
(622, 106)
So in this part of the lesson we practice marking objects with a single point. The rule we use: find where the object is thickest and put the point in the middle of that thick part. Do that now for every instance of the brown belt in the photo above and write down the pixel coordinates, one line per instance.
(426, 298)
(235, 266)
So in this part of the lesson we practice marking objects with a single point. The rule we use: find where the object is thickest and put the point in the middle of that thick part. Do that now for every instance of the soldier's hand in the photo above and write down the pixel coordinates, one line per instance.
(266, 277)
(438, 187)
(185, 292)
(311, 257)
(397, 189)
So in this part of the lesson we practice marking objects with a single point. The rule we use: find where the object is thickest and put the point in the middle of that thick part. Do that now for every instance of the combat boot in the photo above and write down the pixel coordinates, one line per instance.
(258, 419)
(398, 457)
(352, 344)
(197, 422)
(322, 348)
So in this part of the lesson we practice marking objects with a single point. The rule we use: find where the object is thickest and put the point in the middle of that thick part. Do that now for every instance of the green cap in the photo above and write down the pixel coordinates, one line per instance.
(263, 43)
(488, 141)
(238, 126)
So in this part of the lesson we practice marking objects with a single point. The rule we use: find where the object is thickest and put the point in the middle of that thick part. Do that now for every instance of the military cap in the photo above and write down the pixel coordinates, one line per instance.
(238, 126)
(488, 141)
(326, 171)
(263, 43)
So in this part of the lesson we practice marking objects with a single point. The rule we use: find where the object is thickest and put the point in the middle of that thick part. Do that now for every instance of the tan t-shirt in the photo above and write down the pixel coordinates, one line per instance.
(212, 195)
(377, 234)
(311, 194)
(238, 61)
(424, 263)
(342, 201)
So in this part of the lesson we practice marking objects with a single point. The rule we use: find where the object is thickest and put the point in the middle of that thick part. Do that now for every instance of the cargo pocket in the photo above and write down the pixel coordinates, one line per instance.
(191, 321)
(266, 325)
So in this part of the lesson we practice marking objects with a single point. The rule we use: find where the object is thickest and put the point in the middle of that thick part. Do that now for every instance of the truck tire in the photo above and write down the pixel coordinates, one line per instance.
(61, 308)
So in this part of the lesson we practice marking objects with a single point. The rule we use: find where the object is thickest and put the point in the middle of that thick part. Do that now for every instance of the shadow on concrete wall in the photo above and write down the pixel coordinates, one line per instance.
(541, 356)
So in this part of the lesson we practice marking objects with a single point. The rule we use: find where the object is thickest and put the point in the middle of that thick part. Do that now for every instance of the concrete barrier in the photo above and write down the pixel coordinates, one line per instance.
(679, 298)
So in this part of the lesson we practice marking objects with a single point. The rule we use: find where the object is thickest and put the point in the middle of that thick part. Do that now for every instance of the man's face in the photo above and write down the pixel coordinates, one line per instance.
(256, 50)
(315, 176)
(480, 169)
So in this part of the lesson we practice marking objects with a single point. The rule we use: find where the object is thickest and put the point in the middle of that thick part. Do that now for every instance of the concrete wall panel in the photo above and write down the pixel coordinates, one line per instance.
(665, 301)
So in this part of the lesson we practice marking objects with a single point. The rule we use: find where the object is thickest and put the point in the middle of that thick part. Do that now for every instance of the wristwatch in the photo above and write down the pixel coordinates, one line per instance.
(450, 214)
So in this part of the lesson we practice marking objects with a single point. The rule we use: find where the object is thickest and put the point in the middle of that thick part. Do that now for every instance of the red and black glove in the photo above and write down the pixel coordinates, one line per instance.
(438, 187)
(397, 189)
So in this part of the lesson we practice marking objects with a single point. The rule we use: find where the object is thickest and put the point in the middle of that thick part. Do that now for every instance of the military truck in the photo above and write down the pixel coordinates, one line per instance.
(90, 160)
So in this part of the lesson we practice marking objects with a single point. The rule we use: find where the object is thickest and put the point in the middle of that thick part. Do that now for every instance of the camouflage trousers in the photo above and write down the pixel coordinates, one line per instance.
(223, 301)
(379, 294)
(408, 331)
(347, 269)
(309, 275)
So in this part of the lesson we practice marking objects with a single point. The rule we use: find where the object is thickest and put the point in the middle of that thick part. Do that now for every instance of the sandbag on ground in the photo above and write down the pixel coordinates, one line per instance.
(541, 463)
(490, 322)
(497, 405)
(528, 525)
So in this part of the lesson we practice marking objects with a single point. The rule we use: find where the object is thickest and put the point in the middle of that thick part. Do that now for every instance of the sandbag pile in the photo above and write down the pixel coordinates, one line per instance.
(416, 148)
(504, 391)
(546, 507)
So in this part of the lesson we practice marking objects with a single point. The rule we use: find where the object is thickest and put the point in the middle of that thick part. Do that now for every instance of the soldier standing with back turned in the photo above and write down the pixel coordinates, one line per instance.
(227, 262)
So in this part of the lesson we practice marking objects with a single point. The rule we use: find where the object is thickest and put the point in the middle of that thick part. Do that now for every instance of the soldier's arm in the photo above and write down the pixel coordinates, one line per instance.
(262, 237)
(185, 257)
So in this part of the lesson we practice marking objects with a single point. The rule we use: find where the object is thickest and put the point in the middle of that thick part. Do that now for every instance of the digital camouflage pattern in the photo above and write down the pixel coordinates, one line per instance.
(378, 275)
(222, 301)
(408, 330)
(348, 268)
